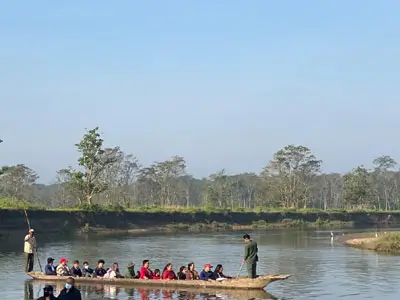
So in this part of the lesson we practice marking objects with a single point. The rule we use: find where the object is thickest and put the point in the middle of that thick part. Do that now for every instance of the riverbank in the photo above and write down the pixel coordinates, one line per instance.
(189, 219)
(388, 242)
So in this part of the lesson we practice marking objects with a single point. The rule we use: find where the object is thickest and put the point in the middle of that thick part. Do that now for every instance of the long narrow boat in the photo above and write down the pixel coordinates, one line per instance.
(241, 283)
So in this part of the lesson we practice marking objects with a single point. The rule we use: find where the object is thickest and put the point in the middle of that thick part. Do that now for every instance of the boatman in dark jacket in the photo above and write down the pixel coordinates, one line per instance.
(250, 256)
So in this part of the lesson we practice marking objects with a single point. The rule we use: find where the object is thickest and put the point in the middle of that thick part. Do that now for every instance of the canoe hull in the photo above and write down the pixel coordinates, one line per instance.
(258, 283)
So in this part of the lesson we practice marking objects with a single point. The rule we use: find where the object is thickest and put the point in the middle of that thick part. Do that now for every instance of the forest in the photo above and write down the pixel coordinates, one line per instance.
(292, 179)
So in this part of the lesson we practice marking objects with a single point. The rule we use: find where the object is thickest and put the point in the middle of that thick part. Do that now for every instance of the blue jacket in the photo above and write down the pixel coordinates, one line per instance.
(206, 275)
(50, 270)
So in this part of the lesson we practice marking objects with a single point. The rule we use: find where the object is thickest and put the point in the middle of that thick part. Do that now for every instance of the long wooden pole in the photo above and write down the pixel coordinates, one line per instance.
(29, 227)
(240, 270)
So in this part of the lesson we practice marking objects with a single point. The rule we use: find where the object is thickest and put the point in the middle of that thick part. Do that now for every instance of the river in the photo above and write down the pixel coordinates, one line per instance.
(321, 269)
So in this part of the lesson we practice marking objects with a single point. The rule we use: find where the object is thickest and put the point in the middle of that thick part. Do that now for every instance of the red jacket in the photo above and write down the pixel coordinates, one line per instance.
(170, 275)
(146, 272)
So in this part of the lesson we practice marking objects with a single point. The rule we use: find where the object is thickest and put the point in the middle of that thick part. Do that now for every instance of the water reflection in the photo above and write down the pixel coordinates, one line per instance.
(33, 290)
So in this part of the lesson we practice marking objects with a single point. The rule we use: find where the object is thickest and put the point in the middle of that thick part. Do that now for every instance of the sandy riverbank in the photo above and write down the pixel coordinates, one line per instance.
(388, 242)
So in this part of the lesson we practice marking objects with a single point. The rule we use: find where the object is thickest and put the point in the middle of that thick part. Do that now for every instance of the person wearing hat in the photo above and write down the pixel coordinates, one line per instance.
(70, 292)
(130, 271)
(29, 250)
(207, 274)
(62, 268)
(50, 269)
(47, 293)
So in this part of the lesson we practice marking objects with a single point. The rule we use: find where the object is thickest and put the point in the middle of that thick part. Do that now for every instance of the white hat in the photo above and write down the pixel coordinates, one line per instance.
(31, 230)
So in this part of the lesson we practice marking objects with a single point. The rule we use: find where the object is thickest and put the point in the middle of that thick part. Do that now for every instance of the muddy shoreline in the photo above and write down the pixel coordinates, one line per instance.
(108, 222)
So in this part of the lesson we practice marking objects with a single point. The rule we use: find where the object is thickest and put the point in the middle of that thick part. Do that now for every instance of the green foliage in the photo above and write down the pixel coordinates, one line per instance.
(7, 203)
(94, 160)
(290, 182)
(356, 187)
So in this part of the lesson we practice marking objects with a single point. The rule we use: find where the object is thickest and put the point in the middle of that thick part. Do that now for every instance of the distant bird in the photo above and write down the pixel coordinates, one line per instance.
(376, 234)
(332, 235)
(1, 140)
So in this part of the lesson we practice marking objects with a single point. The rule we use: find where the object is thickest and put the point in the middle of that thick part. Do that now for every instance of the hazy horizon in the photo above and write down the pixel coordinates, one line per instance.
(221, 83)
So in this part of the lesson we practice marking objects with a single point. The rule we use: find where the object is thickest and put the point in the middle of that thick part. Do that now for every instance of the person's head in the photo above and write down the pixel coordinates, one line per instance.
(69, 283)
(219, 268)
(168, 267)
(207, 267)
(100, 263)
(48, 291)
(146, 263)
(191, 266)
(183, 269)
(86, 264)
(115, 266)
(131, 265)
(157, 272)
(76, 264)
(63, 261)
(31, 232)
(50, 260)
(246, 238)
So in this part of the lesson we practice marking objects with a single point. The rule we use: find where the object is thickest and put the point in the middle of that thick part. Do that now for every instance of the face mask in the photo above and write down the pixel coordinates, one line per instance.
(68, 286)
(86, 267)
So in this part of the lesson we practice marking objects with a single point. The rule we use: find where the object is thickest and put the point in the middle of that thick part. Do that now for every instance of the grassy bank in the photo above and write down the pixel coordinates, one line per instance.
(9, 204)
(385, 242)
(97, 218)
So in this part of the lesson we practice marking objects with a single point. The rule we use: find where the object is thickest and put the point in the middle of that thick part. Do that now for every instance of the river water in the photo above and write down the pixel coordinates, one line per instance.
(321, 269)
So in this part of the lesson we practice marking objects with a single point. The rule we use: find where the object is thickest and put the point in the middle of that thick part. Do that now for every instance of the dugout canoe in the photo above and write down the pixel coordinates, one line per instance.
(241, 283)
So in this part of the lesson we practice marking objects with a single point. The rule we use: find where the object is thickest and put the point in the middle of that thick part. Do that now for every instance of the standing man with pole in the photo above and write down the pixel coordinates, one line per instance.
(29, 250)
(250, 256)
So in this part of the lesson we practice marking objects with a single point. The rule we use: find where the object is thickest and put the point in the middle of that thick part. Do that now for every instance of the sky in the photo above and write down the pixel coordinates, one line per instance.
(224, 84)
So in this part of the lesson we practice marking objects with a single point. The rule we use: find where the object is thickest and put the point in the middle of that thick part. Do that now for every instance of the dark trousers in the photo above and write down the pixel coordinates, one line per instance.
(29, 262)
(252, 269)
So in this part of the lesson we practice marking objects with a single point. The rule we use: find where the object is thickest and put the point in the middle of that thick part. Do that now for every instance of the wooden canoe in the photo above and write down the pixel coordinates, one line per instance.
(241, 283)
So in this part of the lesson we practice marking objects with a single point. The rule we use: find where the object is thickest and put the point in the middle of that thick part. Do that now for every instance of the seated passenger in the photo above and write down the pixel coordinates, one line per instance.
(75, 270)
(218, 275)
(145, 272)
(87, 271)
(113, 272)
(182, 273)
(157, 273)
(192, 274)
(99, 271)
(50, 269)
(206, 274)
(62, 268)
(168, 272)
(130, 271)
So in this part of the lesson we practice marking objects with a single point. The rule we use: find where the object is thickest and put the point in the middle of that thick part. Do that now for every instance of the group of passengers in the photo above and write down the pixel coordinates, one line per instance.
(168, 273)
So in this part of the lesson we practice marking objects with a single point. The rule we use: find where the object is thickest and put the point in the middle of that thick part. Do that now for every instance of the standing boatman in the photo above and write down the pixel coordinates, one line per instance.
(250, 256)
(29, 249)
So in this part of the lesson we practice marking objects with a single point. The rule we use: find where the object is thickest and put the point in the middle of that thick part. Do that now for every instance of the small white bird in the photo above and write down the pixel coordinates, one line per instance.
(376, 234)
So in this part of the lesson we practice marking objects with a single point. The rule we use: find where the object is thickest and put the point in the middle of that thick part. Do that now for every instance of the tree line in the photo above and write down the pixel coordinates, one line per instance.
(291, 179)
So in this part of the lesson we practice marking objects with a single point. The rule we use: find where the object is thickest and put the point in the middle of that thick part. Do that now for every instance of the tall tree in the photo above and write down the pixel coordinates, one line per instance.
(291, 171)
(357, 190)
(94, 161)
(18, 182)
(383, 179)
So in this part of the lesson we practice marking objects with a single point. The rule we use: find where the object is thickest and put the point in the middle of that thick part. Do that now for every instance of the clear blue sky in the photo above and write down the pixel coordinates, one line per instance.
(223, 83)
